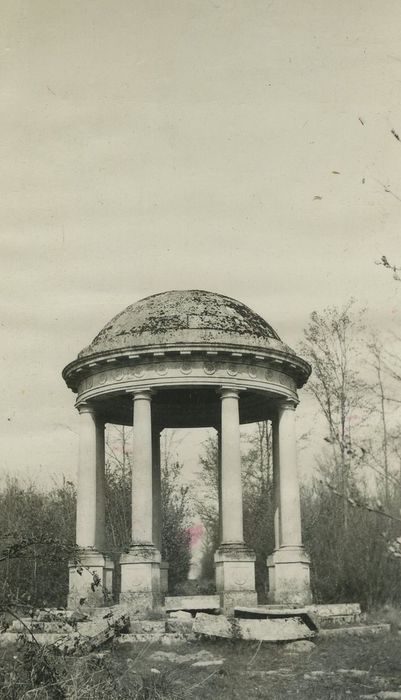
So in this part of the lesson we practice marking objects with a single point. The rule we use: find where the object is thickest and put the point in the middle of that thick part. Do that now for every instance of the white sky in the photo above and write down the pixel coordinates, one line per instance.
(148, 145)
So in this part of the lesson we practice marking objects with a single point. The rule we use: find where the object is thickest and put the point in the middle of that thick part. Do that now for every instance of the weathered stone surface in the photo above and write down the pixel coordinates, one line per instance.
(341, 613)
(389, 695)
(288, 567)
(200, 657)
(139, 638)
(193, 602)
(137, 603)
(7, 638)
(229, 600)
(184, 315)
(214, 626)
(91, 627)
(42, 638)
(357, 631)
(105, 613)
(181, 615)
(169, 640)
(271, 672)
(279, 629)
(318, 674)
(205, 664)
(148, 626)
(104, 630)
(82, 594)
(181, 626)
(334, 609)
(235, 567)
(140, 575)
(271, 630)
(300, 646)
(58, 614)
(353, 672)
(263, 612)
(36, 626)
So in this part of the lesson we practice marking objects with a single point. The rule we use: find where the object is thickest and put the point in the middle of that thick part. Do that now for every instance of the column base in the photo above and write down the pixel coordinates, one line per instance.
(140, 578)
(108, 577)
(289, 579)
(164, 566)
(84, 591)
(235, 576)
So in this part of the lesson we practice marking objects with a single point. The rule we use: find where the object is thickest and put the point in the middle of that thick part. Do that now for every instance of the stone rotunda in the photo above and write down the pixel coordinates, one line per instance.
(184, 359)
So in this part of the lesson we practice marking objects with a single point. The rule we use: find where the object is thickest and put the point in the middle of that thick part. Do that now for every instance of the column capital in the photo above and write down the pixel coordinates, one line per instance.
(86, 408)
(228, 392)
(144, 394)
(288, 405)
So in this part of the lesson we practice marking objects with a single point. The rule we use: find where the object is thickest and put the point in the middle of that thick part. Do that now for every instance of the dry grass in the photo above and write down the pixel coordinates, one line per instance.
(337, 668)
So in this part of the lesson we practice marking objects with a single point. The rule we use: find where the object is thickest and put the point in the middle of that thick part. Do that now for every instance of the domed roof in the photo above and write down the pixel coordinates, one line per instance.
(184, 317)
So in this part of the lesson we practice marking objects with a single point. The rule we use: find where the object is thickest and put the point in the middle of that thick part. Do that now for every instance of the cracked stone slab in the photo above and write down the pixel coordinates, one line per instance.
(182, 615)
(267, 613)
(192, 602)
(271, 630)
(353, 672)
(200, 657)
(205, 664)
(359, 631)
(300, 646)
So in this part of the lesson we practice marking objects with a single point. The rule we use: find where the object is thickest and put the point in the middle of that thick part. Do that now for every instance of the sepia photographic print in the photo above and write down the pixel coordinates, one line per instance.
(200, 265)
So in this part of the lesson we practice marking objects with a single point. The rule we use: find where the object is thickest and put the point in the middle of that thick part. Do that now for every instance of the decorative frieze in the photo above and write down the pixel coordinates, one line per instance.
(189, 370)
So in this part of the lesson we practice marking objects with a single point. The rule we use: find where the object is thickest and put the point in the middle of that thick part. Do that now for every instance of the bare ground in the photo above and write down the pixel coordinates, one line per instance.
(345, 667)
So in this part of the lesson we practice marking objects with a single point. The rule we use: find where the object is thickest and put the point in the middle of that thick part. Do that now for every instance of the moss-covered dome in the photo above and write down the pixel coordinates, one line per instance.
(188, 316)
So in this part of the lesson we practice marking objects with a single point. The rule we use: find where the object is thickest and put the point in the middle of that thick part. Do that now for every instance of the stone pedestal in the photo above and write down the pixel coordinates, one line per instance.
(92, 567)
(289, 580)
(83, 575)
(108, 576)
(235, 576)
(288, 566)
(140, 577)
(164, 577)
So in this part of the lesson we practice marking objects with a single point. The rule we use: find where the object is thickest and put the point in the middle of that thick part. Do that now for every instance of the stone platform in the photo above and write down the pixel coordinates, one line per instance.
(185, 617)
(323, 615)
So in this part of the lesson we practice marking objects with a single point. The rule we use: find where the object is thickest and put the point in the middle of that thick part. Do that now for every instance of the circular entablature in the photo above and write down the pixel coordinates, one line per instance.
(186, 341)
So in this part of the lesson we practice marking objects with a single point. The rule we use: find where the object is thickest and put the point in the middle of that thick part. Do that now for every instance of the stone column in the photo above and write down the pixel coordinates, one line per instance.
(291, 583)
(90, 565)
(157, 506)
(219, 483)
(100, 543)
(235, 563)
(276, 505)
(140, 567)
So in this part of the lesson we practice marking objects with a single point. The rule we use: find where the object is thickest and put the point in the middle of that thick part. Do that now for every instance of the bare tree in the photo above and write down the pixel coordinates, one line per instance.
(332, 346)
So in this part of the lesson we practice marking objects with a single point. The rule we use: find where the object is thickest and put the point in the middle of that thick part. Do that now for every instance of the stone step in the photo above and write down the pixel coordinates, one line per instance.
(336, 613)
(145, 626)
(333, 613)
(192, 603)
(174, 624)
(42, 638)
(32, 625)
(284, 615)
(105, 611)
(165, 639)
(357, 631)
(281, 629)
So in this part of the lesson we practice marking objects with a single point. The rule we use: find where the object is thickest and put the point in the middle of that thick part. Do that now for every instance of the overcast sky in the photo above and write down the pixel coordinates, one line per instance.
(149, 145)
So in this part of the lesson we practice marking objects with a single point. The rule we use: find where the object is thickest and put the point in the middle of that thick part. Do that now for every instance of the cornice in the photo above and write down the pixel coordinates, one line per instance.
(286, 361)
